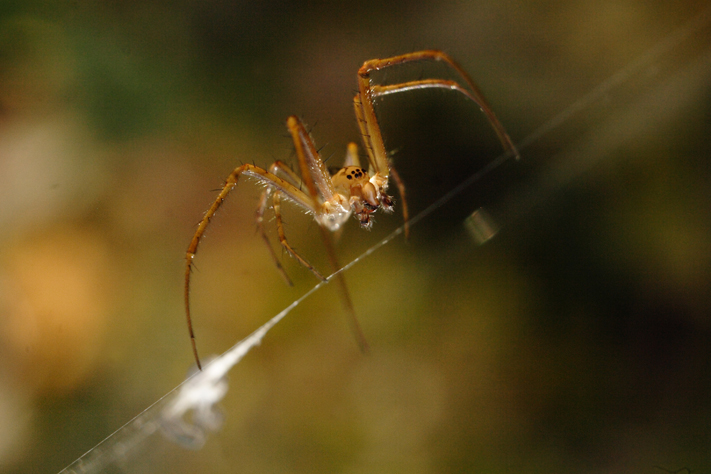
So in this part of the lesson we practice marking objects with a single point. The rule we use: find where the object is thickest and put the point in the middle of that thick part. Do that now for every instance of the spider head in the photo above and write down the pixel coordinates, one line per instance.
(366, 193)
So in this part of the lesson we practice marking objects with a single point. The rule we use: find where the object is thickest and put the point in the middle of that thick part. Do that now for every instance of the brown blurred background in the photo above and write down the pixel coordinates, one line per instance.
(577, 340)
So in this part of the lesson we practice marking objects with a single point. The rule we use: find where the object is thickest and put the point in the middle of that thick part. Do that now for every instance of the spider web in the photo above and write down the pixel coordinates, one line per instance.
(189, 413)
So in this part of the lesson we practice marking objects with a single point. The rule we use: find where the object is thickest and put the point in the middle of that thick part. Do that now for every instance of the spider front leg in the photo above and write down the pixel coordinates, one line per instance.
(280, 185)
(369, 92)
(375, 157)
(364, 104)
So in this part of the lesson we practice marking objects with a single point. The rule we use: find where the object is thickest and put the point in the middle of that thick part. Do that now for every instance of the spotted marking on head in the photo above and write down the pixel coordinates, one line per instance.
(356, 173)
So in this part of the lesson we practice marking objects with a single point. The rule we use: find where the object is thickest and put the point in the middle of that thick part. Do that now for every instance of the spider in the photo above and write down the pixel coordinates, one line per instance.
(353, 190)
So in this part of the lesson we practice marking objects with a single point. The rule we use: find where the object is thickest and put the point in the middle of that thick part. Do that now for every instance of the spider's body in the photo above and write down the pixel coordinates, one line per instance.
(352, 190)
(366, 194)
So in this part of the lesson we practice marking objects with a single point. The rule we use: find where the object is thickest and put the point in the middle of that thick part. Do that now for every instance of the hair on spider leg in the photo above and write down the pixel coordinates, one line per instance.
(326, 161)
(318, 150)
(311, 128)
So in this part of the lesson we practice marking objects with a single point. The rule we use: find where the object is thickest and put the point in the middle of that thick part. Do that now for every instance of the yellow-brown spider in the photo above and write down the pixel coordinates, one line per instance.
(353, 190)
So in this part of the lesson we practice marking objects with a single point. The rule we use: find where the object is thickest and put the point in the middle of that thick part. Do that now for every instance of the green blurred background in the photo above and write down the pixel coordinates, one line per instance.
(577, 340)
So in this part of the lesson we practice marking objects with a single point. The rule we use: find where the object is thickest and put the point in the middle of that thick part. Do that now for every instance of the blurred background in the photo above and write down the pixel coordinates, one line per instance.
(576, 340)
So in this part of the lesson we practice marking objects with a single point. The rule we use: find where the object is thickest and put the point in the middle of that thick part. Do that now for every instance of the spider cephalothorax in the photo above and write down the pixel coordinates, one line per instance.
(352, 190)
(366, 194)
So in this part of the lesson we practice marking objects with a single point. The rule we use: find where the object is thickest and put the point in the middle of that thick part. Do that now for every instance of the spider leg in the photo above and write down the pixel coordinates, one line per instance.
(276, 203)
(294, 193)
(370, 142)
(259, 217)
(375, 151)
(277, 168)
(368, 121)
(318, 181)
(345, 294)
(281, 169)
(452, 85)
(313, 170)
(401, 189)
(368, 92)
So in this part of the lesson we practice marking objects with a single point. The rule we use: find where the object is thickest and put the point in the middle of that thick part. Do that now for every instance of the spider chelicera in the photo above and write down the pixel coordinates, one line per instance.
(353, 190)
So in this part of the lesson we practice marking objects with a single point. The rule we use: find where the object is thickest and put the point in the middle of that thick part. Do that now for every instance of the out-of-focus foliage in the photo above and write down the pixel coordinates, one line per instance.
(578, 339)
